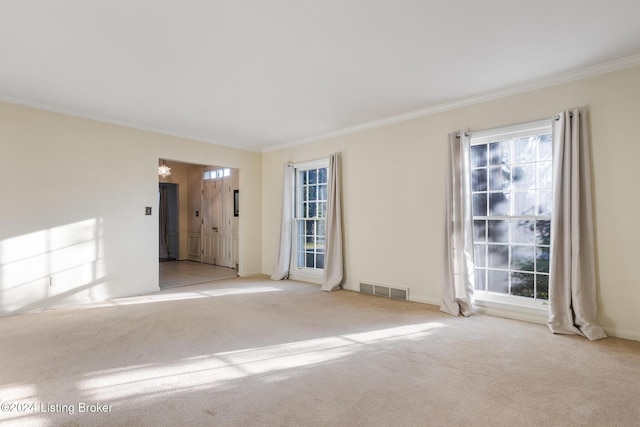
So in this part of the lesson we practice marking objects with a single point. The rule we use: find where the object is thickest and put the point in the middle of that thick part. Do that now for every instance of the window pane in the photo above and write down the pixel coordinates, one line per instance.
(301, 258)
(498, 231)
(322, 175)
(480, 279)
(309, 257)
(322, 192)
(303, 177)
(499, 153)
(321, 228)
(544, 147)
(499, 204)
(480, 257)
(313, 192)
(310, 228)
(480, 204)
(320, 261)
(543, 232)
(313, 176)
(498, 256)
(524, 150)
(322, 209)
(498, 281)
(522, 285)
(542, 259)
(479, 230)
(522, 259)
(499, 178)
(320, 243)
(524, 177)
(479, 180)
(305, 210)
(522, 231)
(313, 210)
(542, 286)
(544, 202)
(544, 175)
(478, 156)
(524, 203)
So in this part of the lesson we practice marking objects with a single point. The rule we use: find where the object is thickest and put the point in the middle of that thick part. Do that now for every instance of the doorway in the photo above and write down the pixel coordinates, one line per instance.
(217, 217)
(197, 223)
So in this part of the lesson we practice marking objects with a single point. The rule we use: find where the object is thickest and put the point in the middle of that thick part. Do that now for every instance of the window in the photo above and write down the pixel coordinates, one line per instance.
(310, 214)
(511, 208)
(216, 174)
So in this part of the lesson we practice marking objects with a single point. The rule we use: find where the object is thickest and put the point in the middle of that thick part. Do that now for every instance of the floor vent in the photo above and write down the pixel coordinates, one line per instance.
(385, 291)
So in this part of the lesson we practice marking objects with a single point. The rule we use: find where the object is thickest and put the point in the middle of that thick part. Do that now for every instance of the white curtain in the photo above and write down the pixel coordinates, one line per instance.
(572, 287)
(283, 257)
(333, 264)
(457, 267)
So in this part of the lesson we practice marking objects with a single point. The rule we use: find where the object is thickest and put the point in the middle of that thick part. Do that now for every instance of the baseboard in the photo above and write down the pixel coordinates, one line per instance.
(250, 273)
(623, 333)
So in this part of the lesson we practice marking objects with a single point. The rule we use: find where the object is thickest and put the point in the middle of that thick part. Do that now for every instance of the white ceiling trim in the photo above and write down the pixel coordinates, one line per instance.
(583, 73)
(616, 65)
(109, 120)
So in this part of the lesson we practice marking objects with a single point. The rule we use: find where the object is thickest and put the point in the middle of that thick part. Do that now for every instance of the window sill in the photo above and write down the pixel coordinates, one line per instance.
(526, 313)
(306, 276)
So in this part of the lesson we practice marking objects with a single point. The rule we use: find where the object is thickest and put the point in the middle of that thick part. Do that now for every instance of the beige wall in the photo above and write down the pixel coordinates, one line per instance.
(73, 195)
(393, 190)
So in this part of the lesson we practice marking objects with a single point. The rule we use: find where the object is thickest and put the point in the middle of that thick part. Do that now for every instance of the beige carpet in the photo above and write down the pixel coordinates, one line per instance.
(253, 352)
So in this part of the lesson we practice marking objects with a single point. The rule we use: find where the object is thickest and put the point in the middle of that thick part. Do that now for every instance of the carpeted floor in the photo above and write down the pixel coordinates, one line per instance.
(254, 352)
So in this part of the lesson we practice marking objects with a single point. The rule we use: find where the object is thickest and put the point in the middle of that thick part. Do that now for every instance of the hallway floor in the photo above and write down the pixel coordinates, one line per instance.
(174, 274)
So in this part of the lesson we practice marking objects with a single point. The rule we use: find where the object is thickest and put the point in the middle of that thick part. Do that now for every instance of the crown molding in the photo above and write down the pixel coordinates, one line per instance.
(124, 123)
(579, 74)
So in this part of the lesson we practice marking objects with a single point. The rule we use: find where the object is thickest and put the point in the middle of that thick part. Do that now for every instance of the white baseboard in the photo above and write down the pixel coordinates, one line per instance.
(623, 333)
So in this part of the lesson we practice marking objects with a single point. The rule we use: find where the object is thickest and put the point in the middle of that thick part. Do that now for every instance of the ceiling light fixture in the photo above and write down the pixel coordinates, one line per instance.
(164, 170)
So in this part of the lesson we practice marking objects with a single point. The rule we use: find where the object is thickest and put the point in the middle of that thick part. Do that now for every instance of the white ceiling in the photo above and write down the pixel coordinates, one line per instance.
(257, 74)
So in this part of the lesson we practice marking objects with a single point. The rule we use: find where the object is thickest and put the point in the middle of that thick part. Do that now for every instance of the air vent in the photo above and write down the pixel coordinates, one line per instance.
(385, 291)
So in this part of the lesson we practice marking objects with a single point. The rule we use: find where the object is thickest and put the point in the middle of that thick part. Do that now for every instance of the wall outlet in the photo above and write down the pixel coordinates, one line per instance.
(53, 281)
(147, 210)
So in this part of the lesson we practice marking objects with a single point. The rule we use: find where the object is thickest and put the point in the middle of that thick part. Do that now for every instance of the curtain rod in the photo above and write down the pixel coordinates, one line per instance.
(555, 117)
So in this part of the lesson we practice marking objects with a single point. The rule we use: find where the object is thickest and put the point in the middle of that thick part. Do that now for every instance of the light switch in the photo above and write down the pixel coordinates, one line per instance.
(147, 210)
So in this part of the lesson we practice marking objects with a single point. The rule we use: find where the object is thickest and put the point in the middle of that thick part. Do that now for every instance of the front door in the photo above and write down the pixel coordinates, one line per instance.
(210, 220)
(225, 237)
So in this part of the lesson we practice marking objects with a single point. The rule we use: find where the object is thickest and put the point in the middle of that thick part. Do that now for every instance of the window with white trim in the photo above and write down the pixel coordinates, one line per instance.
(216, 174)
(310, 214)
(511, 208)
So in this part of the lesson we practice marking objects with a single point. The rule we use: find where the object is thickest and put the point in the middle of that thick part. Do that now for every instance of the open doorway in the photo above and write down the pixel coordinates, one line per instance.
(198, 223)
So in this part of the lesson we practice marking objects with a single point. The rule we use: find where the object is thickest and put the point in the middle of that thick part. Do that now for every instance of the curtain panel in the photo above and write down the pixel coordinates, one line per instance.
(334, 265)
(572, 282)
(457, 264)
(283, 256)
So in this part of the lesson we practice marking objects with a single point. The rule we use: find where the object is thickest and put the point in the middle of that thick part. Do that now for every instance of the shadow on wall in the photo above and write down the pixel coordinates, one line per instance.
(52, 267)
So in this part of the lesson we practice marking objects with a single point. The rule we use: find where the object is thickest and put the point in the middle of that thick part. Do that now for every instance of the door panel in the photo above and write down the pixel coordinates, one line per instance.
(225, 240)
(210, 219)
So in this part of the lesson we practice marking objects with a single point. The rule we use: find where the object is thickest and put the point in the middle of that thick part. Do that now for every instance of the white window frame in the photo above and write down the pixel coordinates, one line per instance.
(524, 308)
(304, 273)
(216, 174)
